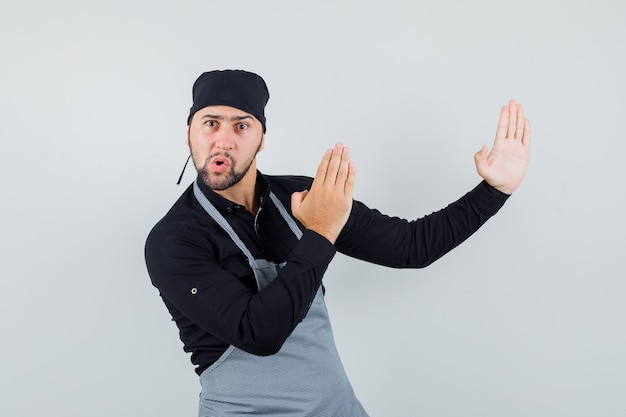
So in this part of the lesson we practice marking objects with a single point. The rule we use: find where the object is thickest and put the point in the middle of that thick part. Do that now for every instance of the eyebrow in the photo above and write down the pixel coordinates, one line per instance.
(232, 119)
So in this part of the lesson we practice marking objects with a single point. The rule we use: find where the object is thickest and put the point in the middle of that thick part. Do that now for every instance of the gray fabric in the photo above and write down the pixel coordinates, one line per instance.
(305, 378)
(283, 212)
(212, 211)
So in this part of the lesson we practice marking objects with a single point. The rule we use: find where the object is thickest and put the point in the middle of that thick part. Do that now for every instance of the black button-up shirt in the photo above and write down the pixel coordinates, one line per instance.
(210, 291)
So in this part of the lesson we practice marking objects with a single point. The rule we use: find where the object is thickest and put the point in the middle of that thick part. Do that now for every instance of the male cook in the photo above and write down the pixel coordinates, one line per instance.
(239, 259)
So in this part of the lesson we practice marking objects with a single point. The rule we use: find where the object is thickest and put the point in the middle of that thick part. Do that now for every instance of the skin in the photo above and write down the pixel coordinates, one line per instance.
(505, 166)
(232, 137)
(325, 208)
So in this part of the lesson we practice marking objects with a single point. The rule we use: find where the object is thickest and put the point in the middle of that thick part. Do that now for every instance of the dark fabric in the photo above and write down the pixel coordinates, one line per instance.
(209, 288)
(235, 88)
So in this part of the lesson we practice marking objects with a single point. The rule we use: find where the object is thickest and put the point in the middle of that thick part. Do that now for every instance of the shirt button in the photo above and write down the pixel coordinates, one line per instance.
(194, 291)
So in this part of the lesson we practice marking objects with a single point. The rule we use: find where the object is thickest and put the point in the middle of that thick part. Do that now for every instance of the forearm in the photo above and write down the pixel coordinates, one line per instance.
(219, 302)
(399, 243)
(270, 316)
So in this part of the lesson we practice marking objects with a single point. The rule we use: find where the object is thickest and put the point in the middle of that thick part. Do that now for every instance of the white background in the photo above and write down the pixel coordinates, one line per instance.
(525, 318)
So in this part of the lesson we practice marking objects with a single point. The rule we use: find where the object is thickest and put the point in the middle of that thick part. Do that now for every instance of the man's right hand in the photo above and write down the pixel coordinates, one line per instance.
(325, 208)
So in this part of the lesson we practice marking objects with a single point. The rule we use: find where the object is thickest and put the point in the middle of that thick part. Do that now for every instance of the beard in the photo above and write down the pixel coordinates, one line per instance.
(229, 178)
(232, 176)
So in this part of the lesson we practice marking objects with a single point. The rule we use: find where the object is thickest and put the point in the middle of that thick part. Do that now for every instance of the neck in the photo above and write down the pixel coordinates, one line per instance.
(244, 192)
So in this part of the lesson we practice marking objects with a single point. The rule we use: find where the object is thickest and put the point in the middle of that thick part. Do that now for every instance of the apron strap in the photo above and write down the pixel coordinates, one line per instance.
(283, 211)
(217, 216)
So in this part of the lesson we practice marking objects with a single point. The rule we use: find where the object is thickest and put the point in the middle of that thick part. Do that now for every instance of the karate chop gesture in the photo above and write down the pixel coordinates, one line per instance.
(505, 166)
(325, 208)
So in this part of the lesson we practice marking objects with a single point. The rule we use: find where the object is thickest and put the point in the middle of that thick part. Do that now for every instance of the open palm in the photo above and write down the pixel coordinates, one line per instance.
(505, 165)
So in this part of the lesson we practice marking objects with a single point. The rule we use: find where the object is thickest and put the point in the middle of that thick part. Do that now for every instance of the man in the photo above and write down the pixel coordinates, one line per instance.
(239, 258)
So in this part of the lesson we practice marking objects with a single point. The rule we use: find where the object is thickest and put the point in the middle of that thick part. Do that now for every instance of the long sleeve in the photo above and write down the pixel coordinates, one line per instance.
(209, 289)
(399, 243)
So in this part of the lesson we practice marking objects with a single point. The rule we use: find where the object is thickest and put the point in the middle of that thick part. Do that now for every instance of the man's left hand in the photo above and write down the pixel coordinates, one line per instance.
(505, 166)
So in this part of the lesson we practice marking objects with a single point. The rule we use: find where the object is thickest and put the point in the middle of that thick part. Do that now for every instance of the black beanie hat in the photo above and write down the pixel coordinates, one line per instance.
(235, 88)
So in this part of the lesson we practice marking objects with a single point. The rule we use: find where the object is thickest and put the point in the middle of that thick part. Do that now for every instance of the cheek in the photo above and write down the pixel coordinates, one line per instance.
(196, 149)
(198, 142)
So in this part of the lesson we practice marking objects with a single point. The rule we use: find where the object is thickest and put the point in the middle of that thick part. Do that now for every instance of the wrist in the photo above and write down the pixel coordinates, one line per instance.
(328, 233)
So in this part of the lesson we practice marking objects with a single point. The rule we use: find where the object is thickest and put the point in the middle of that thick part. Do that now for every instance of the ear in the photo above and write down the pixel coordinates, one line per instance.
(262, 143)
(187, 137)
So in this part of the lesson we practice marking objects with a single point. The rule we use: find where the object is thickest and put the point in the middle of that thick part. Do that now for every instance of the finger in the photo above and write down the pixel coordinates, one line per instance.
(481, 155)
(342, 172)
(520, 122)
(333, 165)
(512, 119)
(526, 137)
(351, 179)
(322, 169)
(502, 123)
(296, 199)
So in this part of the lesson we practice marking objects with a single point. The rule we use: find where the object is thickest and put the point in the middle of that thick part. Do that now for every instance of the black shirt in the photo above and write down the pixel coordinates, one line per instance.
(210, 291)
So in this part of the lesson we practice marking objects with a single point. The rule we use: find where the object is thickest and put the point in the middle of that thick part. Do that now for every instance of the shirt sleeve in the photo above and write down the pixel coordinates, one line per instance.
(372, 236)
(217, 301)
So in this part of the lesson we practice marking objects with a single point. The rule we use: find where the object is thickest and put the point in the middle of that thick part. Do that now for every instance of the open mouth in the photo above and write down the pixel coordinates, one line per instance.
(220, 163)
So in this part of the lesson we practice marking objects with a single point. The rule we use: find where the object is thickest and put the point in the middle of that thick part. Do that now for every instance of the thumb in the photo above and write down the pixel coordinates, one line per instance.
(298, 197)
(481, 155)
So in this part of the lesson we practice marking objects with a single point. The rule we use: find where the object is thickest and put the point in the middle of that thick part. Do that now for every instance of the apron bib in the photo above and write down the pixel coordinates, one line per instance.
(305, 378)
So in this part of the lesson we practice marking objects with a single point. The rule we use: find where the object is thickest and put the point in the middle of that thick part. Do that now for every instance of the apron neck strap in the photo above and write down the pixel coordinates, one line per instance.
(217, 216)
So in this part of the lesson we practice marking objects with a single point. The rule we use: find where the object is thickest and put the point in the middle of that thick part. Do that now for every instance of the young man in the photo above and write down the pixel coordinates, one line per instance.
(239, 258)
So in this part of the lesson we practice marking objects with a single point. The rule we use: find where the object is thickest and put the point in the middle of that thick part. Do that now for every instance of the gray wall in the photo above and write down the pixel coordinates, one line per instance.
(525, 318)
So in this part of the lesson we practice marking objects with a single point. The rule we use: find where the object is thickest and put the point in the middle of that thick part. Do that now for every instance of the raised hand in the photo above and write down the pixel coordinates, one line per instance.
(505, 166)
(325, 208)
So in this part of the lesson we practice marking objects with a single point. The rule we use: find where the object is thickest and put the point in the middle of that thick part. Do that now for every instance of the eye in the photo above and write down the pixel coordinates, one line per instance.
(242, 126)
(211, 123)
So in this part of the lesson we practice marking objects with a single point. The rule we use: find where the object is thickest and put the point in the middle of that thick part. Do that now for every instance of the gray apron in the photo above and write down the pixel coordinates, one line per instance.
(305, 378)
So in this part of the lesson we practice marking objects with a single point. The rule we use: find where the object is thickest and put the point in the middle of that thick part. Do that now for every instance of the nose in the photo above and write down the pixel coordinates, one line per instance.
(224, 140)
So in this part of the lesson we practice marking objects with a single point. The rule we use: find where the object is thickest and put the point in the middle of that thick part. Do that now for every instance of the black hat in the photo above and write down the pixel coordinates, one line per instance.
(236, 88)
